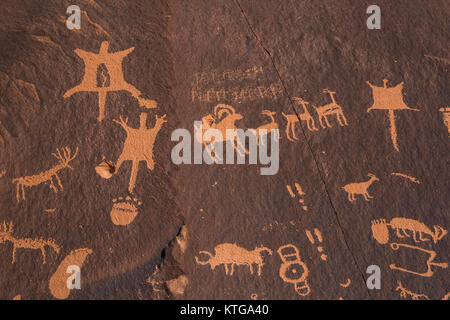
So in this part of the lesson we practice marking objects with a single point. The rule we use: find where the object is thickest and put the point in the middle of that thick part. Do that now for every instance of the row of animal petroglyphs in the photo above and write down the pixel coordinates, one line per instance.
(292, 270)
(322, 111)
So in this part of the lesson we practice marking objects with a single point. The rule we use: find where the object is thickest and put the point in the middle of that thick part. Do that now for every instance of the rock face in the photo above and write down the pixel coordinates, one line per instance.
(86, 161)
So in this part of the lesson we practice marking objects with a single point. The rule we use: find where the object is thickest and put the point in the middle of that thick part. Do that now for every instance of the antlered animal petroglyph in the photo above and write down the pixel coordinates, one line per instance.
(380, 230)
(46, 176)
(331, 109)
(292, 119)
(103, 73)
(293, 269)
(138, 145)
(430, 261)
(230, 254)
(25, 243)
(390, 99)
(355, 188)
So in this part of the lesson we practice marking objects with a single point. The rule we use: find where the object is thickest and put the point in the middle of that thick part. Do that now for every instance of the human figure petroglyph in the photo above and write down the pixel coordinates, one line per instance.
(223, 119)
(390, 99)
(430, 261)
(355, 188)
(380, 231)
(293, 269)
(105, 69)
(230, 254)
(46, 176)
(6, 230)
(138, 145)
(331, 109)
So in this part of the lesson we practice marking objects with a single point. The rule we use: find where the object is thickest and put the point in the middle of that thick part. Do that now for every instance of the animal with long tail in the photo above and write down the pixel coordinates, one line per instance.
(6, 230)
(46, 176)
(401, 226)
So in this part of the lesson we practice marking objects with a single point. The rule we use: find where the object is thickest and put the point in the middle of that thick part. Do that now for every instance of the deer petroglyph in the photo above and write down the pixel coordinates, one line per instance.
(46, 176)
(25, 243)
(331, 109)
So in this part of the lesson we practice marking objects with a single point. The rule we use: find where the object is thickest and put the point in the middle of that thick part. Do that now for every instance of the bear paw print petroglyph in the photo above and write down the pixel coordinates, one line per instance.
(124, 211)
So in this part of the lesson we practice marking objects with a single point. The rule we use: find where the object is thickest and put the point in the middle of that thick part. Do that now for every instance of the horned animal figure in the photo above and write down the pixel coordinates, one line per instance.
(267, 128)
(26, 243)
(224, 118)
(49, 175)
(330, 109)
(360, 188)
(401, 226)
(292, 119)
(230, 254)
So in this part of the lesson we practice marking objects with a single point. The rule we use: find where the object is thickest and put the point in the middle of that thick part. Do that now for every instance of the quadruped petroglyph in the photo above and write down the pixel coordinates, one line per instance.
(50, 175)
(418, 230)
(360, 188)
(231, 255)
(6, 230)
(331, 109)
